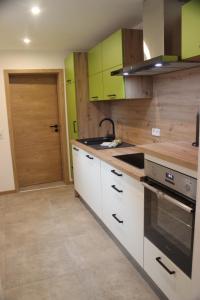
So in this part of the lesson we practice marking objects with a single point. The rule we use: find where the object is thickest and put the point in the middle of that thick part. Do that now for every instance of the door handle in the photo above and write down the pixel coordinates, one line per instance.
(116, 218)
(158, 259)
(55, 127)
(116, 189)
(74, 126)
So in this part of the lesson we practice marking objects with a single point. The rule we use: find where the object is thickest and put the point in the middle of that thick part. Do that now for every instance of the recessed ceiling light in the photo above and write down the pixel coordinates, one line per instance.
(26, 40)
(35, 10)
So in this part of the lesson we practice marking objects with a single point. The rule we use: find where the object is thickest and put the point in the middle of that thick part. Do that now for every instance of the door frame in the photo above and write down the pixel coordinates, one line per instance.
(61, 114)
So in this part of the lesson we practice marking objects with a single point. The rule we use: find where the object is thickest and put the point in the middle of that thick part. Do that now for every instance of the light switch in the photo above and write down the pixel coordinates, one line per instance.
(156, 131)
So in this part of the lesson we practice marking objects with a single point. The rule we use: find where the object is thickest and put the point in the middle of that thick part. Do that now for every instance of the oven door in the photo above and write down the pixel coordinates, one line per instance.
(169, 224)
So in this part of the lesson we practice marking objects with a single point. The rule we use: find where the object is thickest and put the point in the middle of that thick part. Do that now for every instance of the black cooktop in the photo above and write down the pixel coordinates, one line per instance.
(134, 159)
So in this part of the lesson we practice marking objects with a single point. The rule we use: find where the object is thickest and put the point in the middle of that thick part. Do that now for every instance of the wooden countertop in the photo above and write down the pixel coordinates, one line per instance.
(107, 156)
(180, 153)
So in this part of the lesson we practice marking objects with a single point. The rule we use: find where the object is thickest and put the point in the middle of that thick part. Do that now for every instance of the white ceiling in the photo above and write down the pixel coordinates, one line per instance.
(71, 25)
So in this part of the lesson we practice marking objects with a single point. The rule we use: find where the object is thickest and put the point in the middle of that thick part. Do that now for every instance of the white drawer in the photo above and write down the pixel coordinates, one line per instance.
(175, 286)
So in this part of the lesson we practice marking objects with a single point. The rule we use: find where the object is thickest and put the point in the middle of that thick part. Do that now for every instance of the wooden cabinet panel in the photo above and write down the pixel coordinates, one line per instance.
(70, 68)
(112, 53)
(96, 87)
(190, 29)
(113, 85)
(95, 60)
(71, 110)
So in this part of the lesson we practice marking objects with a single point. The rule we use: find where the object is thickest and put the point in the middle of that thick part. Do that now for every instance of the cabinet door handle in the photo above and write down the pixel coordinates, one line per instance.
(76, 149)
(116, 173)
(74, 126)
(95, 97)
(116, 189)
(69, 81)
(112, 95)
(90, 157)
(116, 218)
(158, 259)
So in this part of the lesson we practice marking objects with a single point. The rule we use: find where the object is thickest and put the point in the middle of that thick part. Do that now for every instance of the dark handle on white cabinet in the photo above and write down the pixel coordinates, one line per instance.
(116, 189)
(90, 157)
(158, 259)
(76, 149)
(114, 172)
(116, 218)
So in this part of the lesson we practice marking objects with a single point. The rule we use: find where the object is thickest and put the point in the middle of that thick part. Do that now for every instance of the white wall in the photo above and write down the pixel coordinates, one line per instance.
(18, 60)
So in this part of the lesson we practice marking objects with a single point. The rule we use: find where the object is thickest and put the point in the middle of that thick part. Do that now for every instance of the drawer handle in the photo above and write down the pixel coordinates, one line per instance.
(116, 189)
(158, 259)
(116, 218)
(114, 172)
(90, 157)
(112, 95)
(76, 149)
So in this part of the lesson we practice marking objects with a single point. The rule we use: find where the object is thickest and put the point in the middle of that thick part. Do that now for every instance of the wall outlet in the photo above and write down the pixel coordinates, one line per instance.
(156, 131)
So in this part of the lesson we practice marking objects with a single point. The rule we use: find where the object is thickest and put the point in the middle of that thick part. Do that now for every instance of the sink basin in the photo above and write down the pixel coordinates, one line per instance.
(97, 141)
(135, 159)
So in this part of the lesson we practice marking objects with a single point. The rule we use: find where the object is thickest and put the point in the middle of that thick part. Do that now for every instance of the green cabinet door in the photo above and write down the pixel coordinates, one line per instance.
(69, 68)
(114, 87)
(71, 110)
(96, 87)
(95, 60)
(190, 29)
(112, 53)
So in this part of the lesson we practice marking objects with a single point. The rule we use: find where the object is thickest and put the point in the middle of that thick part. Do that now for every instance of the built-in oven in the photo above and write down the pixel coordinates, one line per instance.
(170, 199)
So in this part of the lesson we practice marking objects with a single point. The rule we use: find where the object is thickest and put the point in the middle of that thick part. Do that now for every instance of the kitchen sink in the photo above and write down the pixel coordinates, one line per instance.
(134, 159)
(97, 141)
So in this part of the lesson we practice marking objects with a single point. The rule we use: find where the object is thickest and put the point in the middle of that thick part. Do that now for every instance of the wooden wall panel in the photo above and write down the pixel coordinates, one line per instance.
(89, 113)
(173, 109)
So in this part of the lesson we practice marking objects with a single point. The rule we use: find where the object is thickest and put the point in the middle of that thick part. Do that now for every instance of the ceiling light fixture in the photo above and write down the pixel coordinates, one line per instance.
(158, 65)
(26, 40)
(35, 10)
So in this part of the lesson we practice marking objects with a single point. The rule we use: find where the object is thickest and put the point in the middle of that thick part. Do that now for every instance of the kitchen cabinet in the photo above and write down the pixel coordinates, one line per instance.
(112, 51)
(71, 110)
(87, 179)
(114, 86)
(96, 87)
(175, 286)
(122, 48)
(95, 60)
(70, 68)
(190, 29)
(123, 209)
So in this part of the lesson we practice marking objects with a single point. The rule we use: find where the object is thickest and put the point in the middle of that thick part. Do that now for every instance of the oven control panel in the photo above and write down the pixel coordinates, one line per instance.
(177, 181)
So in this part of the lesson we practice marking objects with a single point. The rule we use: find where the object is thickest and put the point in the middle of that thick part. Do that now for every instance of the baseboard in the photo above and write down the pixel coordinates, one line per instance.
(8, 192)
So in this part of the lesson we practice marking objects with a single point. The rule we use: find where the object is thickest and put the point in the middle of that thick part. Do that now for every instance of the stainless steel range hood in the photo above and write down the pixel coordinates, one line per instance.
(161, 40)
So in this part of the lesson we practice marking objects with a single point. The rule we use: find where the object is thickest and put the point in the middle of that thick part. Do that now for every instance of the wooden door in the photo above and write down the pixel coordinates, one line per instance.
(34, 108)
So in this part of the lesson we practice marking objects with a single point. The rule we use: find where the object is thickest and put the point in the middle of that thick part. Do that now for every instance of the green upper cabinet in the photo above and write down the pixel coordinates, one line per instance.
(112, 51)
(95, 60)
(190, 29)
(114, 88)
(96, 87)
(71, 110)
(70, 68)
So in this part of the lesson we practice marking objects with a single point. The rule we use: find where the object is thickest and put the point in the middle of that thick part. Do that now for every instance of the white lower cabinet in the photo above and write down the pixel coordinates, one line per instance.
(123, 209)
(175, 286)
(87, 180)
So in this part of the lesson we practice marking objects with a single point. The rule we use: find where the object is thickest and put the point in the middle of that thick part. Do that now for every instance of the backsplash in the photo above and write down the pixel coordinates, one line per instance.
(173, 109)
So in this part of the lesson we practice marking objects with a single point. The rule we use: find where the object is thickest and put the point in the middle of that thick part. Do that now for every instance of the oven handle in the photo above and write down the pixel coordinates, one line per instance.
(161, 195)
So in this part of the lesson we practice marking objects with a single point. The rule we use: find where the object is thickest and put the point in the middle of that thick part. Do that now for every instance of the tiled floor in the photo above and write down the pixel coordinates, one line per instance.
(51, 248)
